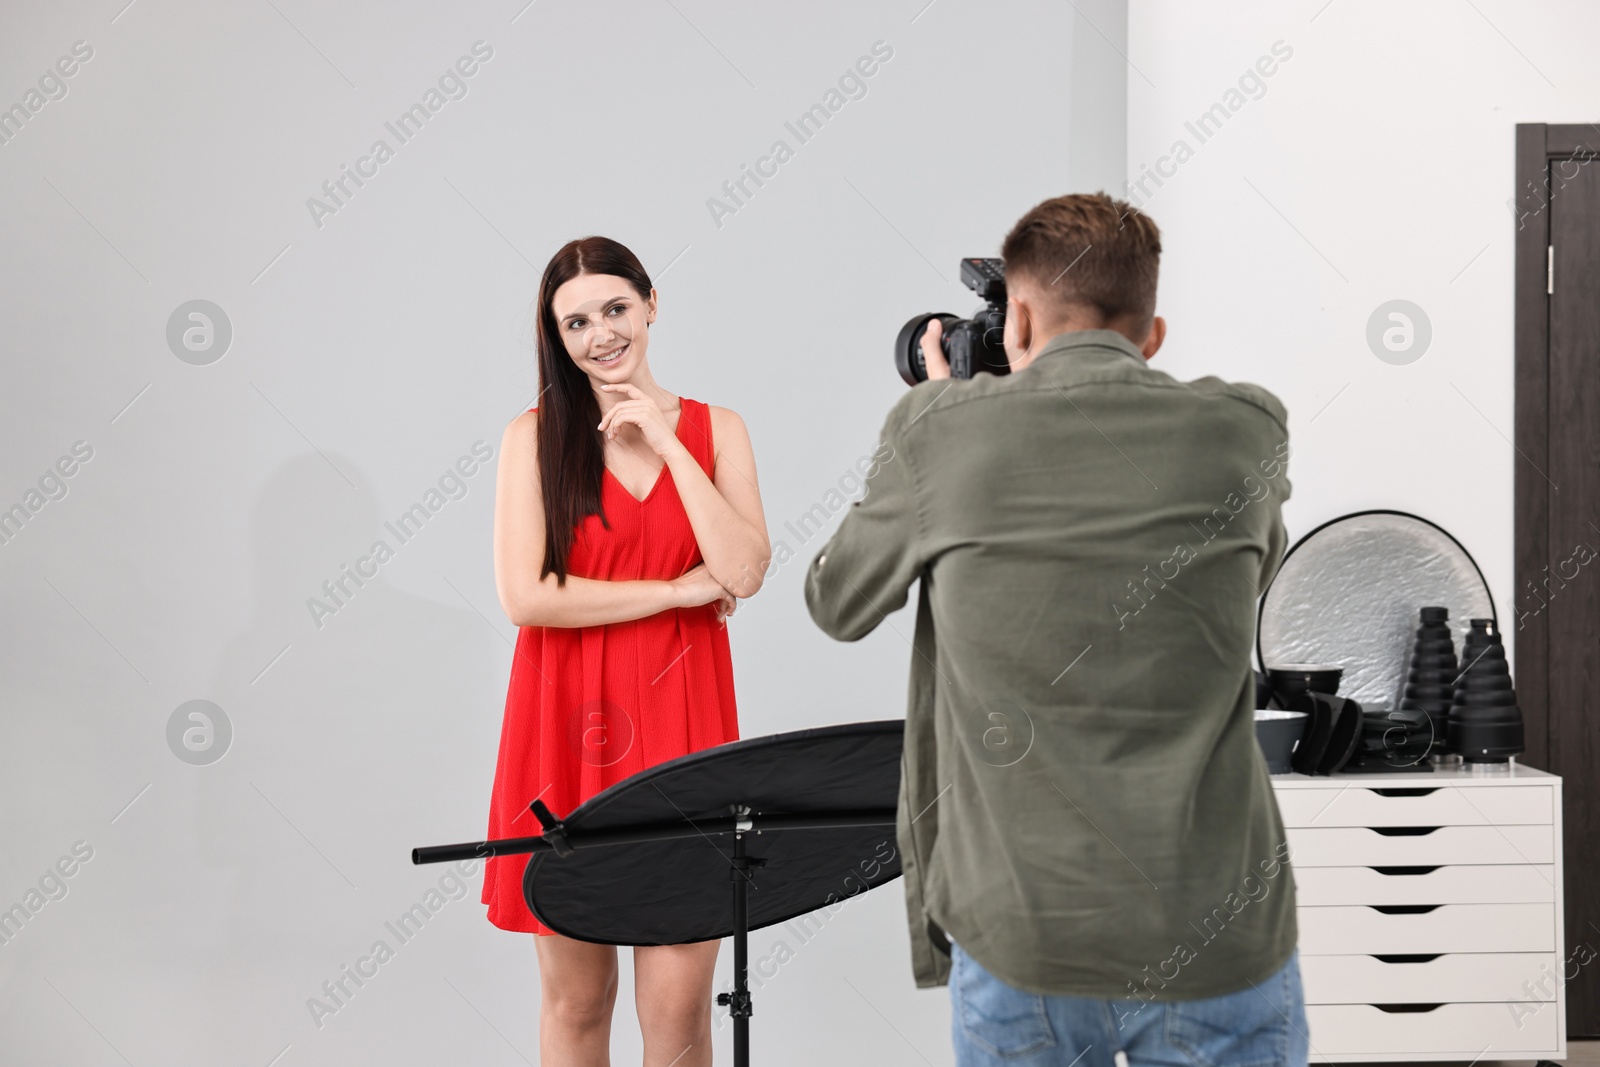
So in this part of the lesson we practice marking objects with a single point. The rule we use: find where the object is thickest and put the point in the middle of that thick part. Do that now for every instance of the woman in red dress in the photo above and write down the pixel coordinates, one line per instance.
(627, 522)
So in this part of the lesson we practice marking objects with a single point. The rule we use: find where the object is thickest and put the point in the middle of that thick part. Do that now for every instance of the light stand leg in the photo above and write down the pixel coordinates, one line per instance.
(741, 958)
(739, 1002)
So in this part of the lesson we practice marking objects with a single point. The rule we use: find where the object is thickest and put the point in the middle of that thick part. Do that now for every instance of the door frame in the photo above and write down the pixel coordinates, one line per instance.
(1538, 145)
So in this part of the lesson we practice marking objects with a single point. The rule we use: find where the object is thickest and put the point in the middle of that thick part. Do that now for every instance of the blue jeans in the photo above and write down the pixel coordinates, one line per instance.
(995, 1024)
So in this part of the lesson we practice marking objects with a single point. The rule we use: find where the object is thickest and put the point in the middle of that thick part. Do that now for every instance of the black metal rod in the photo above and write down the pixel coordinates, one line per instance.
(629, 835)
(741, 956)
(468, 850)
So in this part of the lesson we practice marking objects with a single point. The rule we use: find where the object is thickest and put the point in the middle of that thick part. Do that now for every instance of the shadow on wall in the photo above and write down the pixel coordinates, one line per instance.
(351, 742)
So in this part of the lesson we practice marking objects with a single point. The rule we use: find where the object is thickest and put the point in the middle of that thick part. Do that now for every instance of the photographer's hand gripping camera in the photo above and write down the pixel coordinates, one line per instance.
(969, 345)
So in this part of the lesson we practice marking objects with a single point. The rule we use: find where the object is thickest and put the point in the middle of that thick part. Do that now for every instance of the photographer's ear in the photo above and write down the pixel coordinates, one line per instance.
(1158, 333)
(1019, 330)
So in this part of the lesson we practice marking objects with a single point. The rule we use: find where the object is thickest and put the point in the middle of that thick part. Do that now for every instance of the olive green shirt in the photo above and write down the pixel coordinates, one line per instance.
(1083, 806)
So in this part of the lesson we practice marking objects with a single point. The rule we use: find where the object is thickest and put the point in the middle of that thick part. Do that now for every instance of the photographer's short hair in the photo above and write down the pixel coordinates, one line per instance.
(1089, 253)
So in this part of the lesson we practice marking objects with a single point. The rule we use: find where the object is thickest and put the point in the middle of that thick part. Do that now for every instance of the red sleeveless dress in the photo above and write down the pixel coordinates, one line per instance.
(589, 706)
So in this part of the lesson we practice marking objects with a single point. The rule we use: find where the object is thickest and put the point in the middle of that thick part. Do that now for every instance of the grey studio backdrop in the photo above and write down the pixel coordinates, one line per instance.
(232, 370)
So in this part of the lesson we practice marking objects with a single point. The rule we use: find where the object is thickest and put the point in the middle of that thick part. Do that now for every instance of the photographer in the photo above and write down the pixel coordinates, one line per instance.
(1094, 859)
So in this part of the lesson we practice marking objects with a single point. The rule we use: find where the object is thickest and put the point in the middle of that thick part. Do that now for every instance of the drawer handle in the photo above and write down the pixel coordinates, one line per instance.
(1404, 909)
(1403, 831)
(1408, 958)
(1418, 792)
(1405, 870)
(1393, 1008)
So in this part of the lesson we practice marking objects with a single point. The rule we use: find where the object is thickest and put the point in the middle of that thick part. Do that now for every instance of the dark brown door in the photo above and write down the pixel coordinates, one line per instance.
(1557, 606)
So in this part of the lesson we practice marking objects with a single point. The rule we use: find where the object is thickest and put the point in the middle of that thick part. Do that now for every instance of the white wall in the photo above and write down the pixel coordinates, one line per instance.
(368, 354)
(1377, 165)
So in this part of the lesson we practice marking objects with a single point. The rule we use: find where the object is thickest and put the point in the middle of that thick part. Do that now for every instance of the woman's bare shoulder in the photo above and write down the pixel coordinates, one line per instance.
(522, 433)
(726, 418)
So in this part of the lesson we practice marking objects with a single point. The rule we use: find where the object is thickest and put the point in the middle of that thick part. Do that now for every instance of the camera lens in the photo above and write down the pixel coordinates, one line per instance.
(908, 346)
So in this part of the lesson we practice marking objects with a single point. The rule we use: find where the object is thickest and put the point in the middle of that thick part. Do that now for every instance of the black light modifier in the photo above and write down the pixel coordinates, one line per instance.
(1485, 724)
(1432, 674)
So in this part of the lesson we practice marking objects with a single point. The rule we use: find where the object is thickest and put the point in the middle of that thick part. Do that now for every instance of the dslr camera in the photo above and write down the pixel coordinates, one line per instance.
(969, 345)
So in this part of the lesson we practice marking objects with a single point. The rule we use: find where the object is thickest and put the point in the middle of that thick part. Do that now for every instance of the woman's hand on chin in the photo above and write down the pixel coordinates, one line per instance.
(638, 410)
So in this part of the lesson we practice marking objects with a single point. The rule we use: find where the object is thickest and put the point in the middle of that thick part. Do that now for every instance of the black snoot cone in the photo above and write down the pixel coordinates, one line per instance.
(1485, 724)
(1431, 675)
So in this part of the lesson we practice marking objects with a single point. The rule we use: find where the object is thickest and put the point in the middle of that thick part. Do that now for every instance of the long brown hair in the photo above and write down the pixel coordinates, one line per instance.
(571, 452)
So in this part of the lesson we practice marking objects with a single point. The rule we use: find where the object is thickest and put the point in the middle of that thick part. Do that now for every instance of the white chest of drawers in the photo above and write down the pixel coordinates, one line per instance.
(1429, 907)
